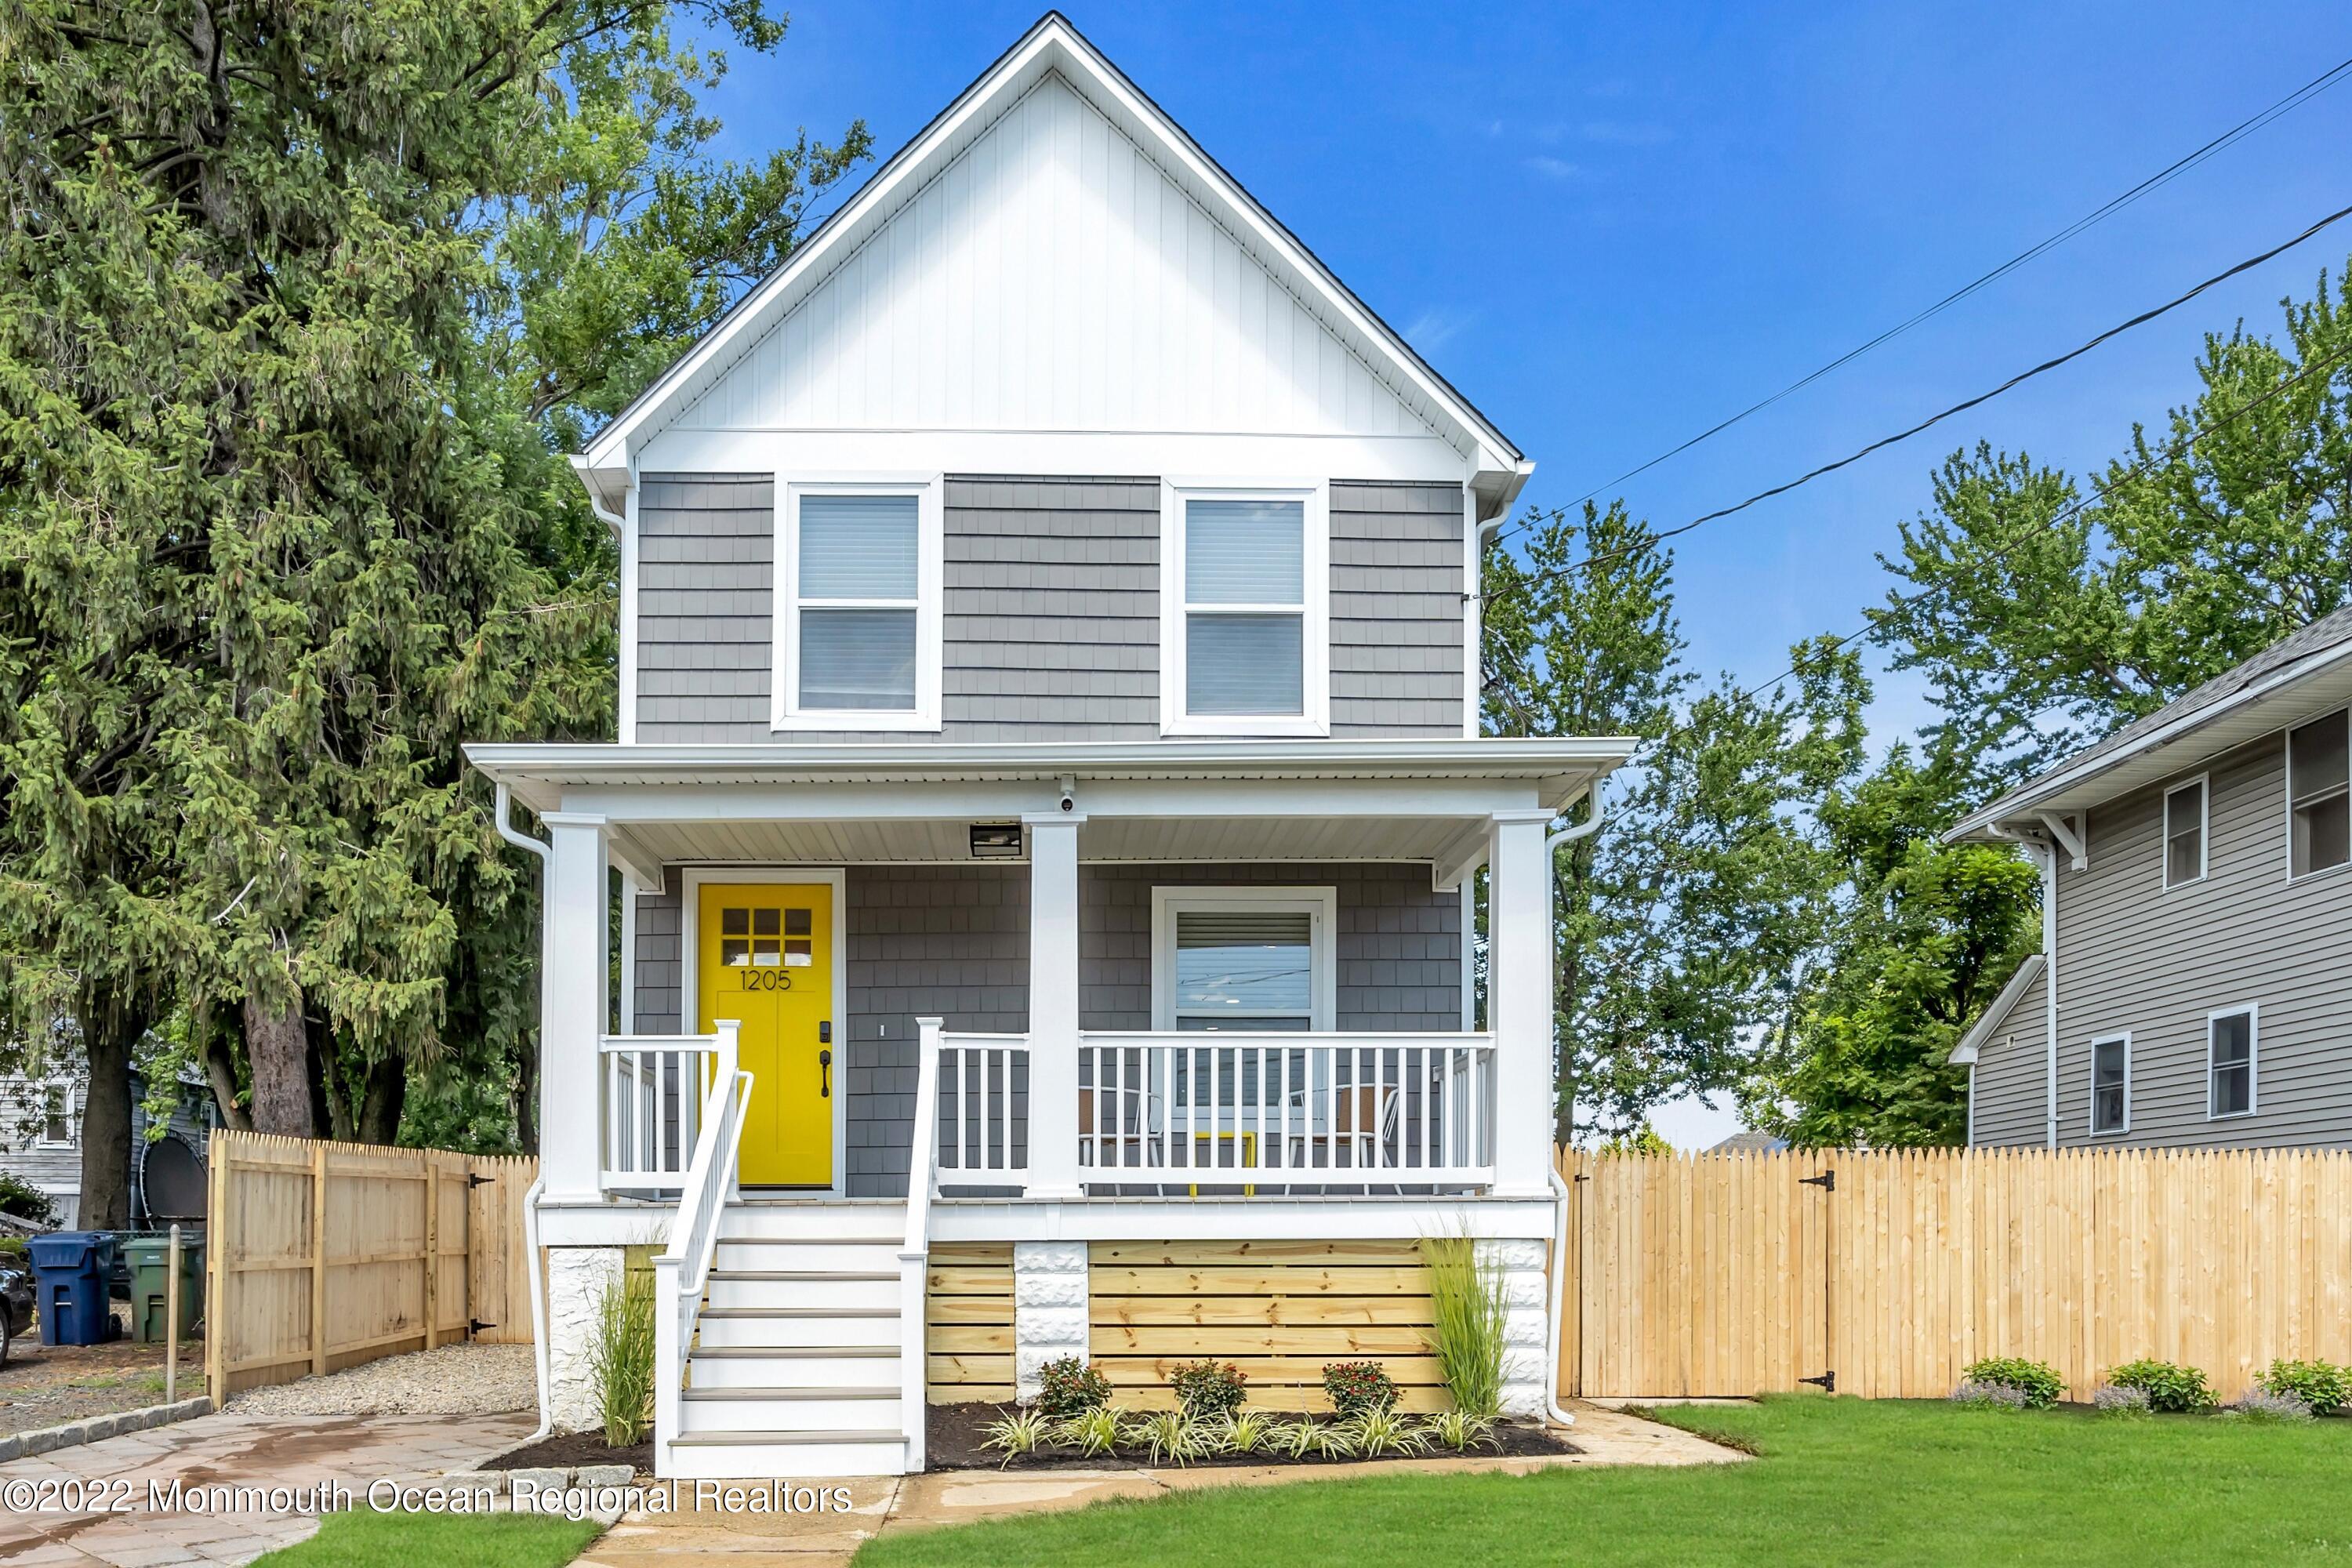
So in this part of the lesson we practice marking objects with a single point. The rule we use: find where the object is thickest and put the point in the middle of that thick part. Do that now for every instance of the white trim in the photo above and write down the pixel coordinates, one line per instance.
(2203, 785)
(689, 996)
(2287, 785)
(2092, 1129)
(2003, 1003)
(65, 1087)
(1314, 719)
(1473, 560)
(627, 723)
(2252, 1011)
(1322, 903)
(626, 1006)
(928, 490)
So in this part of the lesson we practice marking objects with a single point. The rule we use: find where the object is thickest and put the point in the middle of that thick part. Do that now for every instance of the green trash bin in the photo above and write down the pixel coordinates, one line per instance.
(150, 1266)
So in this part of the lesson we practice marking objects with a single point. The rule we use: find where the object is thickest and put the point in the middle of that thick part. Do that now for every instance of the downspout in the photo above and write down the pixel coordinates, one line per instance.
(531, 1196)
(1560, 1188)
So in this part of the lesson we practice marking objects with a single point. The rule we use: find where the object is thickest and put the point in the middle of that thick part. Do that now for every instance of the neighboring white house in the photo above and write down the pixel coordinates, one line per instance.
(1047, 803)
(41, 1142)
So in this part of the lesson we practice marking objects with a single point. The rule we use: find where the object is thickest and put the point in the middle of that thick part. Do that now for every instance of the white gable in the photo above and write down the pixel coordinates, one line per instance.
(1052, 276)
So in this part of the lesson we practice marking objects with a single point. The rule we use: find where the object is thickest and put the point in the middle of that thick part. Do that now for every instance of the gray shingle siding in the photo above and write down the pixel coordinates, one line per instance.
(2133, 955)
(1050, 619)
(2009, 1083)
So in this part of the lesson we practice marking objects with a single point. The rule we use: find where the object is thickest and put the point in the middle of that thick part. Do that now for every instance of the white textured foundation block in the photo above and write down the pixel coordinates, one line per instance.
(577, 1278)
(1049, 1307)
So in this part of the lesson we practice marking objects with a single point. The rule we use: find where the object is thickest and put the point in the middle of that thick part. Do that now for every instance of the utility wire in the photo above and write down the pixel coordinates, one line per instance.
(2244, 128)
(1553, 573)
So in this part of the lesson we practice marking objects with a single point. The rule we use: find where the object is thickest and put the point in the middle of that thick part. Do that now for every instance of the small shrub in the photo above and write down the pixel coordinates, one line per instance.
(2267, 1408)
(1167, 1435)
(621, 1357)
(2323, 1385)
(1313, 1440)
(1018, 1432)
(1249, 1432)
(1384, 1434)
(2039, 1380)
(2171, 1390)
(1978, 1394)
(27, 1202)
(1093, 1433)
(1207, 1390)
(1460, 1431)
(1069, 1386)
(1467, 1314)
(1358, 1387)
(2124, 1404)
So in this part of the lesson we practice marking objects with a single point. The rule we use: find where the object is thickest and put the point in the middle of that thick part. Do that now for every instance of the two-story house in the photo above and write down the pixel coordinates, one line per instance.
(1047, 805)
(2194, 985)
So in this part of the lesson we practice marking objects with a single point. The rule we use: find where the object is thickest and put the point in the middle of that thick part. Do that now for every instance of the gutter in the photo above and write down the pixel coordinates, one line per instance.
(538, 1188)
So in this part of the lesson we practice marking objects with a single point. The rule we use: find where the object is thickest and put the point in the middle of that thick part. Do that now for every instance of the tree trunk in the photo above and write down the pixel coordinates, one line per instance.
(107, 1034)
(387, 1088)
(221, 1070)
(330, 1102)
(277, 1048)
(525, 1095)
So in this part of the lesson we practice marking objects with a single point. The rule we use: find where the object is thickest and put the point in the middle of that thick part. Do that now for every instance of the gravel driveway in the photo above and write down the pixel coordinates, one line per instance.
(455, 1379)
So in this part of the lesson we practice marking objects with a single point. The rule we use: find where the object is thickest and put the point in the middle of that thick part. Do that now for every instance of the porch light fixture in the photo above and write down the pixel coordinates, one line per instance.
(996, 841)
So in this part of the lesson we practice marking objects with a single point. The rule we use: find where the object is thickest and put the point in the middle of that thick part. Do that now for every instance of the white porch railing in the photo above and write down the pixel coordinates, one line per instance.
(682, 1271)
(982, 1083)
(651, 1091)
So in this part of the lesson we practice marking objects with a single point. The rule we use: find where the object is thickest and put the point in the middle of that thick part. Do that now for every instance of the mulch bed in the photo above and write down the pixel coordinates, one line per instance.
(953, 1435)
(568, 1450)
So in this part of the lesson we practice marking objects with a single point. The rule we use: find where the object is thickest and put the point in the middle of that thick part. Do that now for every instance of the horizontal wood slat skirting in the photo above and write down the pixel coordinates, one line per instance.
(321, 1256)
(1280, 1311)
(968, 1335)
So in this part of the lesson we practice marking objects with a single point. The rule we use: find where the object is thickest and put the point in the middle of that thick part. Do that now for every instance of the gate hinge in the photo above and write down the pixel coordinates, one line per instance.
(1826, 1382)
(1827, 1181)
(477, 1326)
(473, 1181)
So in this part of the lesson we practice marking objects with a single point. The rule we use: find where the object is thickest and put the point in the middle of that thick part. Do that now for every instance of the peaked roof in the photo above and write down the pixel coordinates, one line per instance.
(1998, 1014)
(2308, 664)
(1053, 45)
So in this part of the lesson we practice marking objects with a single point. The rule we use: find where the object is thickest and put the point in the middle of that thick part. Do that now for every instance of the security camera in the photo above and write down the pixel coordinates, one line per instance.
(1069, 801)
(1069, 793)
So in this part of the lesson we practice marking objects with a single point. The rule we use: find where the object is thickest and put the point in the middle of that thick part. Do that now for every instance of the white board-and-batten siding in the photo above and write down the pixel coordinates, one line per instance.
(1051, 609)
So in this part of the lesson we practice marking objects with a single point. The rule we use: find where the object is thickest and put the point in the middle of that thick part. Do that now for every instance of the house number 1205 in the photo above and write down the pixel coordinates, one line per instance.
(766, 980)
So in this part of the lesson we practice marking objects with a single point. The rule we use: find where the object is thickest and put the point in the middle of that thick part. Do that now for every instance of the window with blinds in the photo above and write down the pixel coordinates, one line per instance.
(858, 591)
(1245, 608)
(1242, 959)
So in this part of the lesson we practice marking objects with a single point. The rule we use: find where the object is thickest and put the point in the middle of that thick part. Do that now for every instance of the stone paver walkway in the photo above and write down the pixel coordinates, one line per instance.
(741, 1538)
(60, 1524)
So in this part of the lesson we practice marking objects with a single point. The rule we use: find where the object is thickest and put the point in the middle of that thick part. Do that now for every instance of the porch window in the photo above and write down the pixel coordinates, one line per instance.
(1245, 612)
(2110, 1085)
(860, 612)
(2230, 1063)
(2319, 810)
(1244, 960)
(2185, 816)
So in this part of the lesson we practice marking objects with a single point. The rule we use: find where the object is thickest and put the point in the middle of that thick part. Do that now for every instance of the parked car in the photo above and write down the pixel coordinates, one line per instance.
(16, 1300)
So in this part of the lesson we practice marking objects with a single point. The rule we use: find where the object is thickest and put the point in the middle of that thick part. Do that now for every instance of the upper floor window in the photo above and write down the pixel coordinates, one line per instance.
(56, 1115)
(2186, 816)
(1245, 611)
(2318, 809)
(858, 603)
(2230, 1063)
(2110, 1085)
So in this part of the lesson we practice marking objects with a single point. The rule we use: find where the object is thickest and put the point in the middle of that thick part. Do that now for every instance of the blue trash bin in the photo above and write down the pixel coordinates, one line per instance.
(73, 1271)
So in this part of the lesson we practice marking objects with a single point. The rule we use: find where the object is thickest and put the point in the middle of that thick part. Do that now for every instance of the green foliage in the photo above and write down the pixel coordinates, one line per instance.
(2171, 1390)
(1093, 1432)
(2038, 1381)
(1248, 1432)
(1642, 1140)
(1377, 1432)
(2323, 1385)
(1172, 1437)
(1312, 1439)
(1207, 1390)
(1069, 1386)
(1016, 1432)
(621, 1357)
(1467, 1318)
(362, 1538)
(1357, 1386)
(22, 1200)
(1460, 1430)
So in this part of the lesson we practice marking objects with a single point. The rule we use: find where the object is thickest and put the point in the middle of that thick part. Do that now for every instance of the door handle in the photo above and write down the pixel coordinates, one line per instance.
(825, 1075)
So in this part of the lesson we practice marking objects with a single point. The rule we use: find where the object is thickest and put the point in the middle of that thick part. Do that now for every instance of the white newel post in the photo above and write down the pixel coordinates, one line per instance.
(1519, 1001)
(571, 1005)
(1054, 1004)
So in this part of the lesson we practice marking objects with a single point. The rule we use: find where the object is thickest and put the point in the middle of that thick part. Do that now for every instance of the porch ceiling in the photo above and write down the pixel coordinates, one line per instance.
(1131, 839)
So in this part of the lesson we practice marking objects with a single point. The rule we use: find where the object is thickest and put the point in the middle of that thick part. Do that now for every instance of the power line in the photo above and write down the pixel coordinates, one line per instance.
(2163, 176)
(1553, 573)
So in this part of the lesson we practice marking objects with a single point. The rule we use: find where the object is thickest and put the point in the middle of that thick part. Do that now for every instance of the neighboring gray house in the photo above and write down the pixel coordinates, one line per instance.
(2195, 982)
(40, 1138)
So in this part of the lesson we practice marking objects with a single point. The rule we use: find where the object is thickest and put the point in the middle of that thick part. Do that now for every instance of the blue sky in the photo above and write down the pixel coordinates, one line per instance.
(1611, 225)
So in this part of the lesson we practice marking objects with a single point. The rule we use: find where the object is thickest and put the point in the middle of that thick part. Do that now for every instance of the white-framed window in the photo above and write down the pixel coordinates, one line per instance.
(859, 563)
(1244, 959)
(56, 1117)
(2230, 1043)
(2110, 1085)
(1244, 609)
(2188, 817)
(2318, 807)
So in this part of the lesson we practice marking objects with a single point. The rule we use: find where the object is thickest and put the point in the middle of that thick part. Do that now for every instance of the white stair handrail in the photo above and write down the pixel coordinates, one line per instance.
(682, 1271)
(914, 1258)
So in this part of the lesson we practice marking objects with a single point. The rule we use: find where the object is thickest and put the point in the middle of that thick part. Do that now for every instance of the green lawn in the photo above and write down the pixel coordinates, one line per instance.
(364, 1538)
(1838, 1481)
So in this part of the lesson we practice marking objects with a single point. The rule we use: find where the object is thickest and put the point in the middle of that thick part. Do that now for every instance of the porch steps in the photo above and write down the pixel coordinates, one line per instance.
(797, 1358)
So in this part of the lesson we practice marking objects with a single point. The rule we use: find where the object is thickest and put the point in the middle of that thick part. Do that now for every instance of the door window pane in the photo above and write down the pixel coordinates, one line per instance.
(2233, 1057)
(1245, 664)
(857, 659)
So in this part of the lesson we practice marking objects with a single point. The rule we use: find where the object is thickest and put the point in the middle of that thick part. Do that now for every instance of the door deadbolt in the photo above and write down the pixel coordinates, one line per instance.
(824, 1033)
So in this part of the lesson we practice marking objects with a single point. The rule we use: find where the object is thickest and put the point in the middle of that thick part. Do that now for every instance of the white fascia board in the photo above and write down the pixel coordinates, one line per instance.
(1052, 44)
(1965, 1053)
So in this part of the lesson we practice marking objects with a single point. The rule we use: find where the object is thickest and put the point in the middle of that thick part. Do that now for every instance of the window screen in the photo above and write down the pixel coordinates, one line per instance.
(2319, 812)
(2184, 834)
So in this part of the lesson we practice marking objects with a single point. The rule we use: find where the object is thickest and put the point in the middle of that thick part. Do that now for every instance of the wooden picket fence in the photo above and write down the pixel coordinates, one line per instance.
(1739, 1273)
(321, 1256)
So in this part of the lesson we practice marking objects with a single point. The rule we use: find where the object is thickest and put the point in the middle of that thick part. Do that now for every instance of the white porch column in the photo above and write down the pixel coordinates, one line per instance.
(571, 1005)
(1519, 1000)
(1054, 1003)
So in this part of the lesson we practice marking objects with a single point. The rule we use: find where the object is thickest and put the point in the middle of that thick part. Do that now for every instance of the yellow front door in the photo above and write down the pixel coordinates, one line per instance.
(765, 959)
